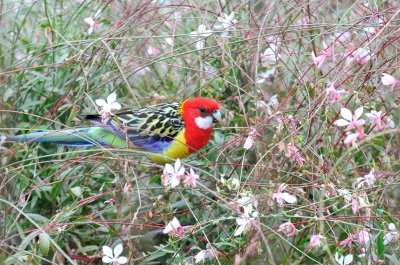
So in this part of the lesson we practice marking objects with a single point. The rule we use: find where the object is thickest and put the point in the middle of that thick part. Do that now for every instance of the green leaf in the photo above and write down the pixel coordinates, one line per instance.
(27, 240)
(380, 246)
(44, 243)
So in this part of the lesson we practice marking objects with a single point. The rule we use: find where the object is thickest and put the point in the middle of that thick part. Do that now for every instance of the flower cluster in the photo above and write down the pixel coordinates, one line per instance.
(173, 174)
(247, 205)
(355, 124)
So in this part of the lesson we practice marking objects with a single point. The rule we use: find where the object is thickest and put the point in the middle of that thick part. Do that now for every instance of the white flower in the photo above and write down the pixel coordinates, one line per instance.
(346, 194)
(201, 33)
(226, 22)
(110, 105)
(204, 254)
(169, 41)
(362, 56)
(248, 203)
(388, 80)
(113, 256)
(244, 223)
(350, 120)
(343, 260)
(250, 138)
(282, 197)
(248, 143)
(270, 55)
(234, 184)
(249, 206)
(174, 228)
(2, 141)
(268, 107)
(263, 76)
(392, 235)
(153, 51)
(92, 23)
(172, 174)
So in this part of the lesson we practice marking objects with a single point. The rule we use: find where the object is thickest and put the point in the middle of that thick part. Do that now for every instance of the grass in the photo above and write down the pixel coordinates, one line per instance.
(61, 205)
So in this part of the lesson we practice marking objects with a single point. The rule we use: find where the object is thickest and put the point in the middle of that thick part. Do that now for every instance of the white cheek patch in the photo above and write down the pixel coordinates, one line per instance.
(204, 122)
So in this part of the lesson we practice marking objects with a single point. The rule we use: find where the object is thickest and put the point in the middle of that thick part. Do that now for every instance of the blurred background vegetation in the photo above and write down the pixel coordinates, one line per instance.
(60, 205)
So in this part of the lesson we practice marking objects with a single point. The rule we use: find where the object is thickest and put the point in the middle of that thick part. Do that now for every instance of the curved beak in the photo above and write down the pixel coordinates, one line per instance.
(216, 115)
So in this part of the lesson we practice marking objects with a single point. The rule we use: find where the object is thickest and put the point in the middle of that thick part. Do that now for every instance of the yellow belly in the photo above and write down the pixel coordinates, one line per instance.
(177, 149)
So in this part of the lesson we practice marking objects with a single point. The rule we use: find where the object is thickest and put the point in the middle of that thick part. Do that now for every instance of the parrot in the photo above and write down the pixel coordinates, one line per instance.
(166, 131)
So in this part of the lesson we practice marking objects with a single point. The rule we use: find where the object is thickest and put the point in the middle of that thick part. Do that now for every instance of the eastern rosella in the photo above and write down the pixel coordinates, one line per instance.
(165, 131)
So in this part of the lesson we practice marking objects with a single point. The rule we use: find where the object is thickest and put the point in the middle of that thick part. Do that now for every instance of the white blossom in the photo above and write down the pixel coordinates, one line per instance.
(113, 256)
(172, 174)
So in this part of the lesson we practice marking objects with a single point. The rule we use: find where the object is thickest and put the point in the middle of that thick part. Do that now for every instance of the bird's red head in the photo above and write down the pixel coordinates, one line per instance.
(200, 112)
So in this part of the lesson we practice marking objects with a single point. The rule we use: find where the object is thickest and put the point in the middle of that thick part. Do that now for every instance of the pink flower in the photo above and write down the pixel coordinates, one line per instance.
(376, 119)
(362, 237)
(288, 229)
(342, 36)
(388, 80)
(368, 180)
(282, 197)
(315, 241)
(153, 51)
(140, 70)
(333, 94)
(190, 179)
(353, 137)
(350, 120)
(294, 153)
(358, 203)
(174, 228)
(319, 61)
(347, 242)
(304, 21)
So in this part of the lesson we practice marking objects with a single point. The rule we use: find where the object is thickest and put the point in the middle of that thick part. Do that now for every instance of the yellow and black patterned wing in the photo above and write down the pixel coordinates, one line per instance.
(152, 128)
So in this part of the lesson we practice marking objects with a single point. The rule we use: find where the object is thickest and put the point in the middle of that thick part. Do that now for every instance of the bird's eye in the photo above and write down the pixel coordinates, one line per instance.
(202, 110)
